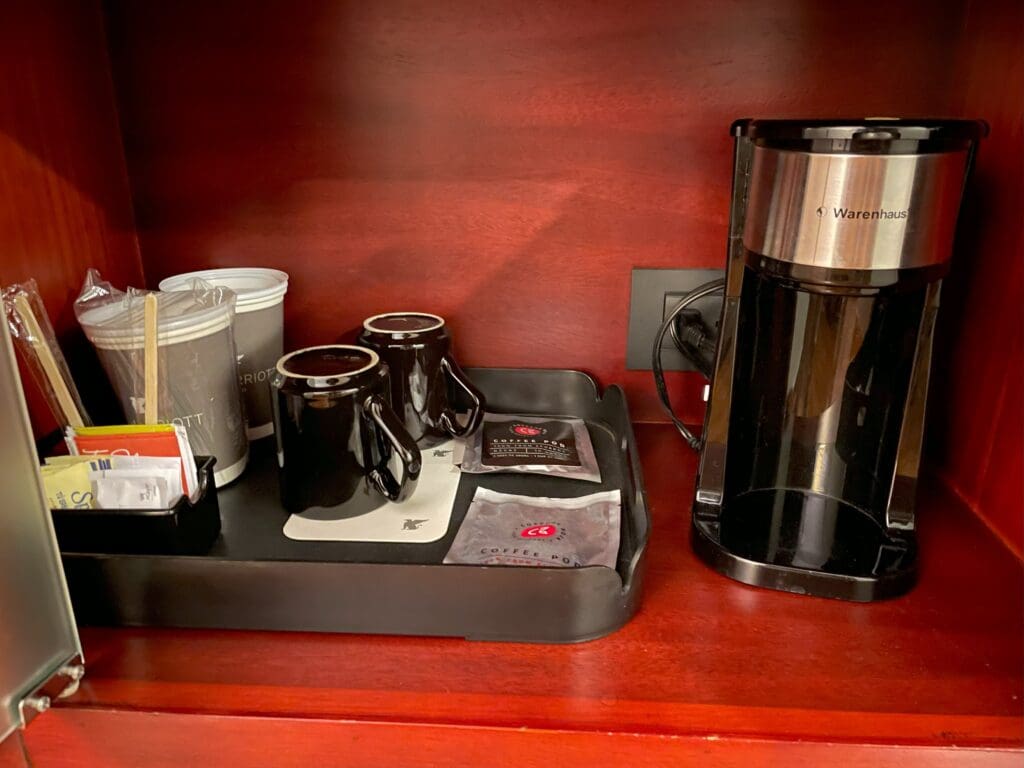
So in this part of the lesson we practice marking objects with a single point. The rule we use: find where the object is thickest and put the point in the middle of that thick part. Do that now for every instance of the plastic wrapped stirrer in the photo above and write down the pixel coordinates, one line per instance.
(32, 333)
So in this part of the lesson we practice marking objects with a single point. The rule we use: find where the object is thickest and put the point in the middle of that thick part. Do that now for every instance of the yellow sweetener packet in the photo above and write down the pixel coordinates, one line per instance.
(63, 461)
(123, 429)
(69, 486)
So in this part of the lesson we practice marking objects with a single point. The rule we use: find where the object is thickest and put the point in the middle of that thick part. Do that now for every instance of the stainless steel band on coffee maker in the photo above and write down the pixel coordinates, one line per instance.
(850, 211)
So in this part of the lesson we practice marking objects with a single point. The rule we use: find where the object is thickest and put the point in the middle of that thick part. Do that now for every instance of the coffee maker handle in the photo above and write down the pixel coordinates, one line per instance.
(392, 430)
(476, 413)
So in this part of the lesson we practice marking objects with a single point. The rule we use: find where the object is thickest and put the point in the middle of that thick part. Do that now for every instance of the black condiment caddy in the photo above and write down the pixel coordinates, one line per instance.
(186, 528)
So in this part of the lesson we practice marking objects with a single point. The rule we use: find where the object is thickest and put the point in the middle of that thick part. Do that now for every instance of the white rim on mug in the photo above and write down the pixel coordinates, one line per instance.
(368, 322)
(328, 381)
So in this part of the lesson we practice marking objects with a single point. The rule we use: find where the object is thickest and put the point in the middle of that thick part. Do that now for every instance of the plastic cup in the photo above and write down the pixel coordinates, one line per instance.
(198, 376)
(259, 332)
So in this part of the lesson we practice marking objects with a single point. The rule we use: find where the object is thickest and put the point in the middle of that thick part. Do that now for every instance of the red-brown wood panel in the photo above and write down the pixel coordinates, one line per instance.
(103, 739)
(504, 164)
(64, 198)
(977, 412)
(12, 754)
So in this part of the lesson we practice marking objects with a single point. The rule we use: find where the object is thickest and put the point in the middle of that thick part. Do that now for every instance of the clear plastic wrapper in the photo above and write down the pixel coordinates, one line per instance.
(34, 337)
(197, 377)
(544, 445)
(506, 529)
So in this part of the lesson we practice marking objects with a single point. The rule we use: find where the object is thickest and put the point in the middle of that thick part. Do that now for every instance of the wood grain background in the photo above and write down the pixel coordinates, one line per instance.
(505, 165)
(64, 198)
(977, 405)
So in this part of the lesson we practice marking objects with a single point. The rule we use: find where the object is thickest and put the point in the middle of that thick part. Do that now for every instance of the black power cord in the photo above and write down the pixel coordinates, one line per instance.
(659, 373)
(694, 340)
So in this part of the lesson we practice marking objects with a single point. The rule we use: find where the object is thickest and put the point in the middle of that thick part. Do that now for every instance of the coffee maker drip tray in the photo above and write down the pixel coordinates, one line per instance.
(804, 542)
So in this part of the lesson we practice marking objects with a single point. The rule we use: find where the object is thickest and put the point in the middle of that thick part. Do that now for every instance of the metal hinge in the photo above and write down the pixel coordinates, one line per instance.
(63, 683)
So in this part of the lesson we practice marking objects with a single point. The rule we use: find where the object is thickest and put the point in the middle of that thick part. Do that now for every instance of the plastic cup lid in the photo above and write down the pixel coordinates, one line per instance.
(256, 287)
(119, 325)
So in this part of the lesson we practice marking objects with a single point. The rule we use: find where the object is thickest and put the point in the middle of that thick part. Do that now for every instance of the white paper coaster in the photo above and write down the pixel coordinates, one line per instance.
(421, 519)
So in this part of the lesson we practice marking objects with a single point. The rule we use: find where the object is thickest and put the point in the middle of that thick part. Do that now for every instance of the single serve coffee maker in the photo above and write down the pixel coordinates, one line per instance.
(840, 235)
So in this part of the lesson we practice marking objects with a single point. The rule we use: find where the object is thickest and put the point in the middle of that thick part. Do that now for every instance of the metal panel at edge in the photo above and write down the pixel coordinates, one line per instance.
(38, 636)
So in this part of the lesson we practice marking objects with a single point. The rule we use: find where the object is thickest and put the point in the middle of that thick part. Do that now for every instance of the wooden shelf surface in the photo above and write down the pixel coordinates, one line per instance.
(708, 669)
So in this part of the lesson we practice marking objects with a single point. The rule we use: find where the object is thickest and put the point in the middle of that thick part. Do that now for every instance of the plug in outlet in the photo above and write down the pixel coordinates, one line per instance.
(707, 311)
(655, 292)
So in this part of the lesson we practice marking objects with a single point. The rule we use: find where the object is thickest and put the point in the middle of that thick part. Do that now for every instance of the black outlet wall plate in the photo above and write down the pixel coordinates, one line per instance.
(653, 294)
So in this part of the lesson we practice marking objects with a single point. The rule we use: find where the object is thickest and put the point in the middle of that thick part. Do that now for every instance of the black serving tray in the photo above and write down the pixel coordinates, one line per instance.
(184, 529)
(254, 577)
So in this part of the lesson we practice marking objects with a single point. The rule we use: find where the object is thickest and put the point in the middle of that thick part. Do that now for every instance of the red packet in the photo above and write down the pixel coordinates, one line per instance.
(133, 441)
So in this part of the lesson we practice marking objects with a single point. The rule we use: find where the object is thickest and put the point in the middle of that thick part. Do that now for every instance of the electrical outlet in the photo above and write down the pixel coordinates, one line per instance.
(653, 295)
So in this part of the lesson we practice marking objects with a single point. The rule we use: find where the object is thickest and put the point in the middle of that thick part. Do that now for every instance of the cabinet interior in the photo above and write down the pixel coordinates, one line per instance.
(502, 165)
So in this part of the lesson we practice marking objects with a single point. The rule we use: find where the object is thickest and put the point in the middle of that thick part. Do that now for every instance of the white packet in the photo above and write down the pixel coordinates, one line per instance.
(544, 445)
(506, 529)
(162, 466)
(168, 481)
(189, 462)
(114, 492)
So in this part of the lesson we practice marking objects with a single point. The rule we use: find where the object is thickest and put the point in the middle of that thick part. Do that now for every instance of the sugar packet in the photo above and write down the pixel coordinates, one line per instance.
(67, 486)
(160, 486)
(112, 481)
(507, 529)
(546, 445)
(124, 489)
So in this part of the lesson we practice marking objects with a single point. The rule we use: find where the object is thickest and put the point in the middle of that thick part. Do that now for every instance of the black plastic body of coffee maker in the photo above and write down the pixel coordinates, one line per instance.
(840, 234)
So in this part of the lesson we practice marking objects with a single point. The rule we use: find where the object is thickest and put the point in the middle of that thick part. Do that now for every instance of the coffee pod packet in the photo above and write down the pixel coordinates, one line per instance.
(506, 529)
(545, 445)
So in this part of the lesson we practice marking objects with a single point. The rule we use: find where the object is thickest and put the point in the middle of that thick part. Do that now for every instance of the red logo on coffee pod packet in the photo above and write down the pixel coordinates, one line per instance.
(539, 532)
(527, 431)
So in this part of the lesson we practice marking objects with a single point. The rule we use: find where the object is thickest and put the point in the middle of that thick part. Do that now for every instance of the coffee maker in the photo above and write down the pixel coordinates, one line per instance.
(840, 234)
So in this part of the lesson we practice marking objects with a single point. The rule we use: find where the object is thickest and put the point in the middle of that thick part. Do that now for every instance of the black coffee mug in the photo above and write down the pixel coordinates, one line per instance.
(425, 379)
(337, 434)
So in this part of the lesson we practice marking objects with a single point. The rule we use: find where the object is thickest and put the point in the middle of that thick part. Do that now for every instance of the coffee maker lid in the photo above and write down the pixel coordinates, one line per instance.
(865, 135)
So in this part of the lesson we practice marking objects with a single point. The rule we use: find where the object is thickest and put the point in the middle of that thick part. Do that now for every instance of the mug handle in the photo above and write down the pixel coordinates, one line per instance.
(476, 414)
(405, 447)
